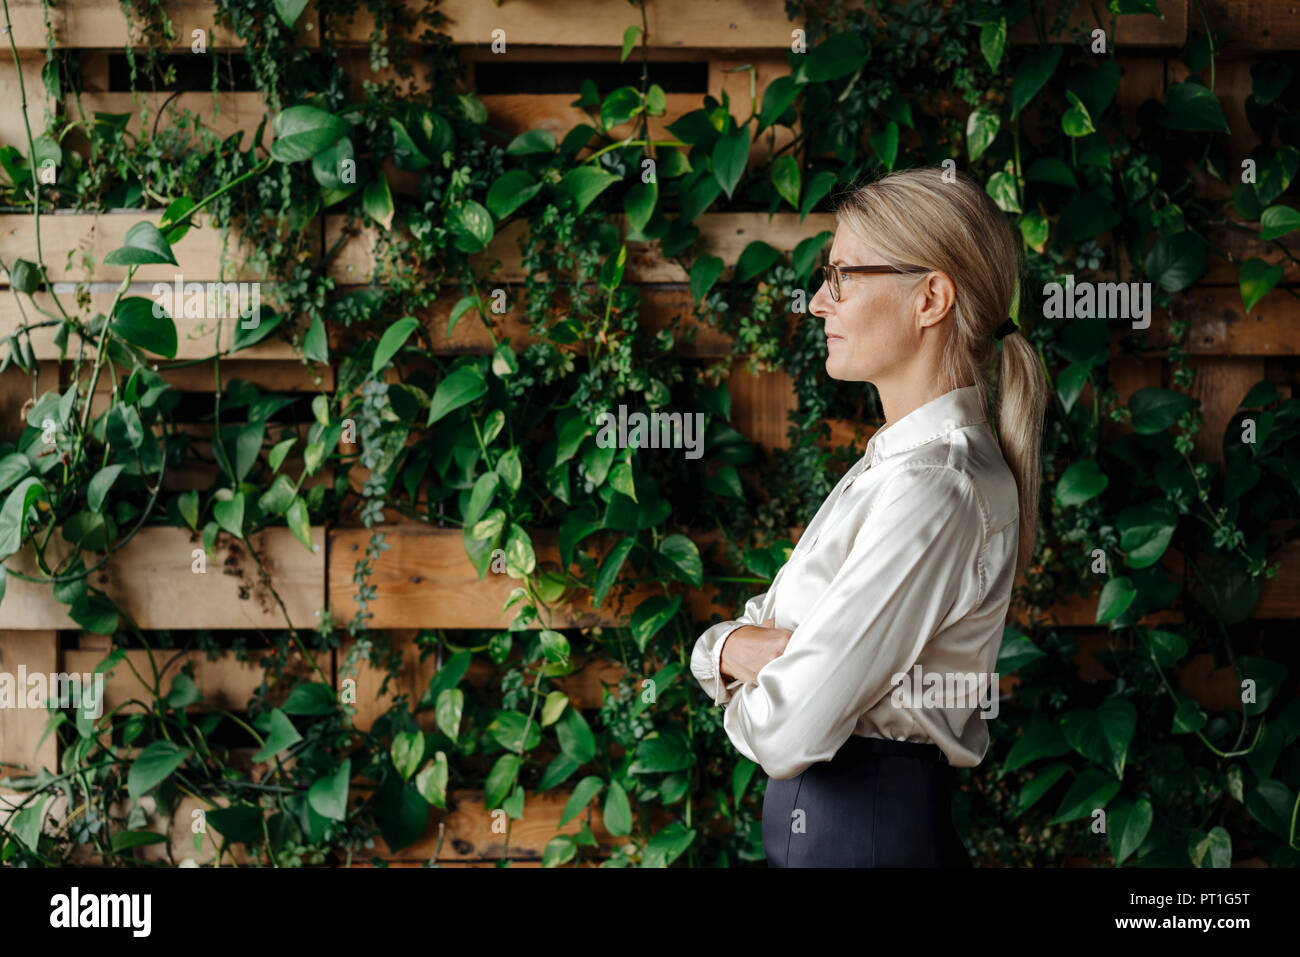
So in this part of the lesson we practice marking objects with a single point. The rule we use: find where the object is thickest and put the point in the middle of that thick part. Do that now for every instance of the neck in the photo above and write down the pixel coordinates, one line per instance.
(898, 399)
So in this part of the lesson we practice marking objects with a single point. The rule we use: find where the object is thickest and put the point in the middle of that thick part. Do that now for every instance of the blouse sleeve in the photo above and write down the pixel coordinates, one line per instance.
(707, 654)
(914, 560)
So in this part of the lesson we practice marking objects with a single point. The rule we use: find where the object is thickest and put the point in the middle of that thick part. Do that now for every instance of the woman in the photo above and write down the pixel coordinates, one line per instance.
(903, 578)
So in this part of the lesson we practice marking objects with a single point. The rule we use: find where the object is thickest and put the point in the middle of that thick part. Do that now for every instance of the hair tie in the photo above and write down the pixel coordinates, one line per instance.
(1006, 329)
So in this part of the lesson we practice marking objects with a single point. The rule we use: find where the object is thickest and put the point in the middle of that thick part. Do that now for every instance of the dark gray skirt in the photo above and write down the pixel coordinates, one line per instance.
(877, 803)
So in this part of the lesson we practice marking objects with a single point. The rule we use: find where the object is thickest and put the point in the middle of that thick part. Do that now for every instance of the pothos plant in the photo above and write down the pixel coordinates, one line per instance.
(504, 444)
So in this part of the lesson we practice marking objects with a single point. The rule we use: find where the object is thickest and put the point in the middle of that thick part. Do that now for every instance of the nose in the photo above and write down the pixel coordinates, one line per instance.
(821, 303)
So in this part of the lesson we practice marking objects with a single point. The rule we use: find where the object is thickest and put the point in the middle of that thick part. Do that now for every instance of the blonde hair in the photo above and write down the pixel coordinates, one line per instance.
(946, 222)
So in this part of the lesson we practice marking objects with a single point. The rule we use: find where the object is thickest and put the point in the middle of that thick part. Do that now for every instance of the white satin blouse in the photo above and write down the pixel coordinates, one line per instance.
(908, 562)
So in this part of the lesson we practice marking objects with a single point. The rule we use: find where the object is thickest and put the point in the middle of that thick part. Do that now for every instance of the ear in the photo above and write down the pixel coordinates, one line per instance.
(936, 296)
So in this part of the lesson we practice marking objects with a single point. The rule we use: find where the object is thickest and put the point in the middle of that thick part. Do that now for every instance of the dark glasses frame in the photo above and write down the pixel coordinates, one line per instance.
(832, 273)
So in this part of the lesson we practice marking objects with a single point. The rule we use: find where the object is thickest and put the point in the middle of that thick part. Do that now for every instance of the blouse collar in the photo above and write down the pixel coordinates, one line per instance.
(952, 410)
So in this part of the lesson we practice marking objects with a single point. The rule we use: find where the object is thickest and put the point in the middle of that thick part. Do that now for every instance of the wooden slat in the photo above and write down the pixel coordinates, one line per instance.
(199, 252)
(472, 833)
(224, 114)
(760, 405)
(1130, 30)
(225, 682)
(17, 388)
(721, 234)
(151, 580)
(99, 24)
(721, 24)
(13, 132)
(22, 727)
(1220, 384)
(1221, 326)
(425, 577)
(1256, 25)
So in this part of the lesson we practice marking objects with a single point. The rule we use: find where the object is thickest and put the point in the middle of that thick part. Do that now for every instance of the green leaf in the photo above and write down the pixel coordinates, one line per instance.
(99, 486)
(575, 737)
(281, 735)
(610, 568)
(501, 780)
(432, 781)
(1191, 106)
(230, 514)
(1257, 280)
(407, 752)
(143, 323)
(618, 811)
(239, 823)
(377, 200)
(884, 143)
(312, 698)
(730, 155)
(1030, 76)
(650, 616)
(663, 751)
(299, 522)
(471, 226)
(13, 514)
(153, 766)
(1002, 187)
(520, 557)
(1278, 221)
(448, 711)
(1091, 790)
(786, 179)
(1155, 409)
(510, 191)
(1080, 482)
(24, 276)
(684, 559)
(289, 10)
(1076, 121)
(584, 183)
(328, 796)
(553, 707)
(583, 792)
(462, 386)
(704, 273)
(532, 142)
(303, 131)
(278, 497)
(629, 41)
(1128, 824)
(777, 99)
(1116, 595)
(993, 40)
(982, 127)
(315, 344)
(1146, 531)
(1176, 261)
(142, 245)
(392, 340)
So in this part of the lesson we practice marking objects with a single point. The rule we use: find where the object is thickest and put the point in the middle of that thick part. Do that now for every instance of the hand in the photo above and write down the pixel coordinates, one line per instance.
(750, 647)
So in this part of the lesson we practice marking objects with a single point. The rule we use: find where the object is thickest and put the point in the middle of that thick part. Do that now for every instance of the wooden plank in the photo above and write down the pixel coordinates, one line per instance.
(225, 682)
(760, 406)
(151, 580)
(223, 114)
(1221, 326)
(96, 24)
(721, 234)
(472, 832)
(1242, 244)
(425, 577)
(89, 237)
(515, 113)
(722, 24)
(22, 727)
(1280, 597)
(1130, 30)
(1255, 25)
(16, 389)
(13, 131)
(1220, 384)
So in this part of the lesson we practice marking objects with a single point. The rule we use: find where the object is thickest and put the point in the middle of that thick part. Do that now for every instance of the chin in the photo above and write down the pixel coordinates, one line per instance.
(838, 369)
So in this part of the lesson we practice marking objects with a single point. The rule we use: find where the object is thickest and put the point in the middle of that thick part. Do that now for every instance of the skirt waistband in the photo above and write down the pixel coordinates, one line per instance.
(858, 746)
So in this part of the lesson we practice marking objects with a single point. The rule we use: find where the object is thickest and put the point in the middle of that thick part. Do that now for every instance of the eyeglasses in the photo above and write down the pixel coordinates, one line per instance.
(832, 273)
